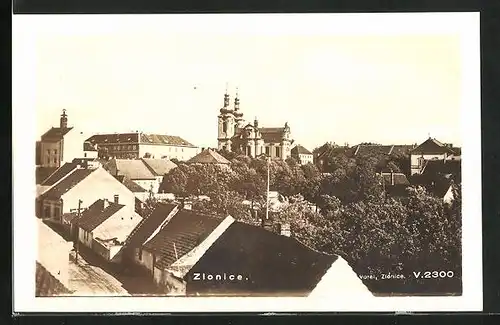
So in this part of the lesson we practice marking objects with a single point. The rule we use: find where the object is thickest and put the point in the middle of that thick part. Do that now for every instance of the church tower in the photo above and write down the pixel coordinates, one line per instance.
(226, 125)
(237, 113)
(63, 121)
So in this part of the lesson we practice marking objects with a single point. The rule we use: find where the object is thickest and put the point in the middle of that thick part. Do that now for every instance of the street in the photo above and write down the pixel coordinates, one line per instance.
(87, 279)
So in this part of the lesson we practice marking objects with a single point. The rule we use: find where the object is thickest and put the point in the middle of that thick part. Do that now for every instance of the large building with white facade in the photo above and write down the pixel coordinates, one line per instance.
(135, 145)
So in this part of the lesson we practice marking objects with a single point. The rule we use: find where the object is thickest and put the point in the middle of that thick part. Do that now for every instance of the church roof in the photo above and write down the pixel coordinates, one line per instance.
(208, 156)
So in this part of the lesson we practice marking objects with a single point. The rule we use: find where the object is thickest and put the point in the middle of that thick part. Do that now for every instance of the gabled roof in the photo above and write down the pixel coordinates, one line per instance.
(96, 214)
(89, 146)
(433, 168)
(432, 146)
(441, 187)
(159, 167)
(149, 224)
(186, 230)
(399, 179)
(132, 186)
(172, 140)
(55, 134)
(67, 183)
(114, 138)
(208, 156)
(300, 150)
(47, 284)
(365, 150)
(42, 173)
(270, 264)
(131, 168)
(61, 172)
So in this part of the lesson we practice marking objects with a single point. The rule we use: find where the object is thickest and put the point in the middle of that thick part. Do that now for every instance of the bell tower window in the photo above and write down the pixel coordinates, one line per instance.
(224, 127)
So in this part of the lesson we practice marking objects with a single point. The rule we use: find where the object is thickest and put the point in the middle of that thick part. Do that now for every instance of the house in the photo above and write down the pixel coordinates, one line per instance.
(276, 202)
(187, 234)
(140, 193)
(303, 155)
(209, 156)
(151, 224)
(52, 261)
(60, 144)
(86, 184)
(439, 177)
(135, 170)
(234, 134)
(394, 184)
(246, 260)
(159, 167)
(135, 145)
(432, 149)
(105, 226)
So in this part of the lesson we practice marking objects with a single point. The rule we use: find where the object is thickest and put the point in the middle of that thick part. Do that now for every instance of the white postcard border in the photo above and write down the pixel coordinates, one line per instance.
(25, 31)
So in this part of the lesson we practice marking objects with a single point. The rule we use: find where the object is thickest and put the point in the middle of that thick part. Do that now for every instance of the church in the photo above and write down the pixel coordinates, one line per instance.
(237, 135)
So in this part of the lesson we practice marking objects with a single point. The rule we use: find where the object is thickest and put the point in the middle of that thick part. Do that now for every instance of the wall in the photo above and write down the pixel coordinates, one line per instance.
(98, 185)
(305, 159)
(53, 252)
(146, 260)
(340, 281)
(85, 237)
(169, 152)
(414, 161)
(54, 208)
(100, 249)
(119, 225)
(170, 284)
(50, 154)
(147, 184)
(448, 197)
(73, 145)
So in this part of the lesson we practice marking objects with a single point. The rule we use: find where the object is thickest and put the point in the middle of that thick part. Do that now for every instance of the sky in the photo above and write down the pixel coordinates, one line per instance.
(168, 75)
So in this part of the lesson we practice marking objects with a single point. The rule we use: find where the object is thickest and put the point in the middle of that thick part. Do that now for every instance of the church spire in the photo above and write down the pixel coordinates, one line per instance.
(237, 101)
(226, 98)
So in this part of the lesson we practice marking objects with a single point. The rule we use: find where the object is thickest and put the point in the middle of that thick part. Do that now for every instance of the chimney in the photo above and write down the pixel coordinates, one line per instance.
(116, 199)
(256, 123)
(105, 204)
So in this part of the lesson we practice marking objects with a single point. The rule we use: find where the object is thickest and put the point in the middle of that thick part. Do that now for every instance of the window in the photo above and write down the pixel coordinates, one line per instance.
(268, 151)
(182, 149)
(140, 254)
(46, 212)
(249, 151)
(48, 160)
(55, 160)
(48, 151)
(224, 127)
(277, 151)
(134, 147)
(55, 151)
(84, 155)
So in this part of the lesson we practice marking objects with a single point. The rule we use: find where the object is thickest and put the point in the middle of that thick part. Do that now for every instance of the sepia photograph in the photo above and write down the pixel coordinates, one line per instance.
(183, 157)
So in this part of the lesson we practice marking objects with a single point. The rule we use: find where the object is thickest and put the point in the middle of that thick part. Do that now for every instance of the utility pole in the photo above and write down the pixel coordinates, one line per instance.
(267, 193)
(77, 240)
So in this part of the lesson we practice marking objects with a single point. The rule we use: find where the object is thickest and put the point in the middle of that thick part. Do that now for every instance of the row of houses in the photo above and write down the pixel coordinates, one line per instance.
(432, 164)
(182, 251)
